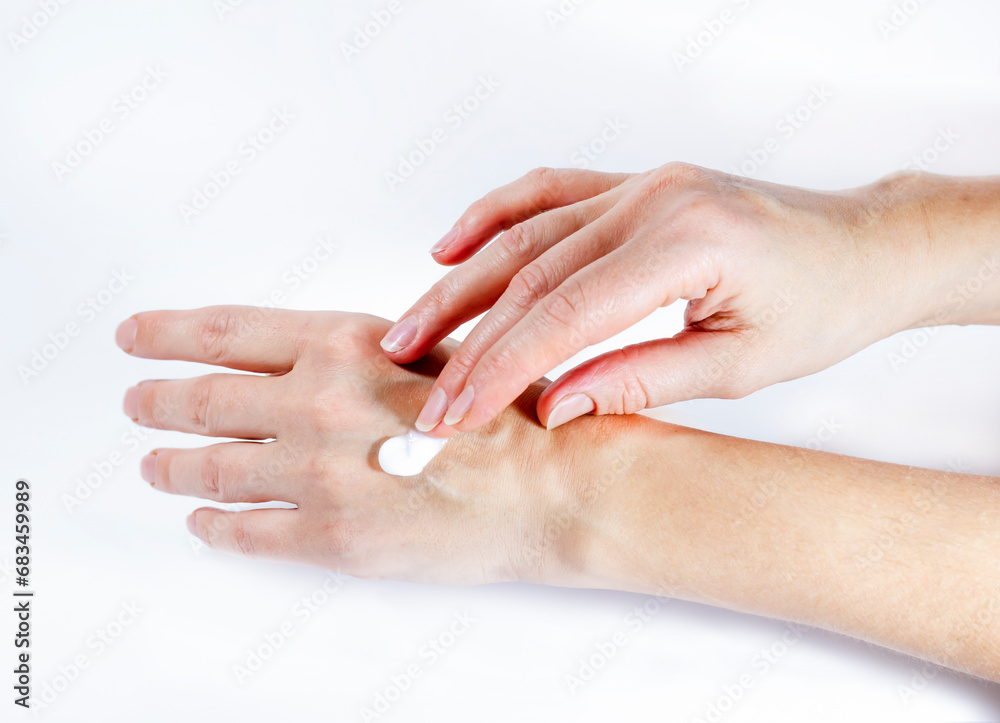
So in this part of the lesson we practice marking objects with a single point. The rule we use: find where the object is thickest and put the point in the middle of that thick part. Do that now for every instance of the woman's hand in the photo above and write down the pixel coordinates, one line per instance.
(328, 398)
(626, 503)
(782, 282)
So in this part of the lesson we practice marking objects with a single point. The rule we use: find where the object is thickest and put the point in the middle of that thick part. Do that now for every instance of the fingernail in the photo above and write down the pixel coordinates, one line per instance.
(190, 523)
(401, 335)
(461, 406)
(430, 416)
(569, 407)
(447, 240)
(131, 404)
(125, 336)
(147, 468)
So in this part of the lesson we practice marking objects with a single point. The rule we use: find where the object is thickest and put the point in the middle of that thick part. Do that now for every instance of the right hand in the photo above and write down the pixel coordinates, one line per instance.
(782, 282)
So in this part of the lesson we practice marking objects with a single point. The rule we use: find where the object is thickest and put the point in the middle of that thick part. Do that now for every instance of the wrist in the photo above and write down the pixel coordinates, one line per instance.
(941, 237)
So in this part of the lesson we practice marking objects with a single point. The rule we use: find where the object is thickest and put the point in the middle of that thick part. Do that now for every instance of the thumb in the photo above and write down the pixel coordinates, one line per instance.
(691, 365)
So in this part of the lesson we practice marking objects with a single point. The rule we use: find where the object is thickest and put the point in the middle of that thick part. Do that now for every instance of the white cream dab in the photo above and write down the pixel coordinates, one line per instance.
(408, 454)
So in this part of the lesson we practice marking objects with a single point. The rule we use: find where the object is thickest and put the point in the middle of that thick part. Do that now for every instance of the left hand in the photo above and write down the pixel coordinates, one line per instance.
(328, 397)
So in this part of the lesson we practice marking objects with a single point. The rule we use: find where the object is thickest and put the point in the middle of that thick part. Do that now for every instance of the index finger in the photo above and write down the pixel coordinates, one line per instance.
(239, 337)
(541, 190)
(592, 305)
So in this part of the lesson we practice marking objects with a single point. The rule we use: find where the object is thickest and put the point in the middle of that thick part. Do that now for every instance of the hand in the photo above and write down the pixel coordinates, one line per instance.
(328, 397)
(782, 283)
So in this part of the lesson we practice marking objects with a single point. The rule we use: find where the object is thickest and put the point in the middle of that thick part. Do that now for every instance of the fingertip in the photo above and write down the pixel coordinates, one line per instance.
(568, 408)
(192, 523)
(447, 241)
(402, 335)
(125, 334)
(130, 404)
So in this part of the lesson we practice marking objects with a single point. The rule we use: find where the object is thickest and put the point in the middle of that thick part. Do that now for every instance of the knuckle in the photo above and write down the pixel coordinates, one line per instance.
(201, 404)
(211, 473)
(633, 396)
(546, 185)
(518, 243)
(530, 285)
(339, 540)
(673, 178)
(565, 306)
(243, 540)
(458, 368)
(441, 297)
(683, 174)
(214, 336)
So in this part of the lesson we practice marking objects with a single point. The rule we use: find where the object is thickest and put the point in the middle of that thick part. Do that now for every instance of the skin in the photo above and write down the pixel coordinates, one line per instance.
(582, 255)
(901, 557)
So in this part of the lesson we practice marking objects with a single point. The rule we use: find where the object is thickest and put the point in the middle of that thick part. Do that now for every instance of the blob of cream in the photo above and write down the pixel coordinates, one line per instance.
(408, 454)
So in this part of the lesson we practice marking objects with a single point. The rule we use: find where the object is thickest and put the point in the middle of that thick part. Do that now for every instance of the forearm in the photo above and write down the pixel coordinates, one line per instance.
(902, 557)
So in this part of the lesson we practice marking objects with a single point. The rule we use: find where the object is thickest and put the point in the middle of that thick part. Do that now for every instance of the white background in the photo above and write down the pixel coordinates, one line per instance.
(63, 235)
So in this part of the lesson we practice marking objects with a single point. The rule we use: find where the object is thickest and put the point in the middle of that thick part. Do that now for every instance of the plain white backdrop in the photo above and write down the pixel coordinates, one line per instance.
(132, 621)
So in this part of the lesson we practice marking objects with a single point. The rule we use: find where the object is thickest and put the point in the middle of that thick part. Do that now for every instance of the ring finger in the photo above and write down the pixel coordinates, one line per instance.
(226, 472)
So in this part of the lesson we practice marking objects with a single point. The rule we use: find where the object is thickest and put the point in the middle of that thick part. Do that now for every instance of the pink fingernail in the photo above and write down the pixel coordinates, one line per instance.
(125, 336)
(131, 404)
(447, 240)
(430, 416)
(147, 468)
(460, 407)
(401, 335)
(569, 408)
(191, 526)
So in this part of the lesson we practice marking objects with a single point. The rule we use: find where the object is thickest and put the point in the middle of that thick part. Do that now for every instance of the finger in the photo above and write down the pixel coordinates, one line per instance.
(595, 303)
(472, 288)
(239, 337)
(528, 287)
(268, 533)
(691, 365)
(227, 472)
(215, 405)
(540, 190)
